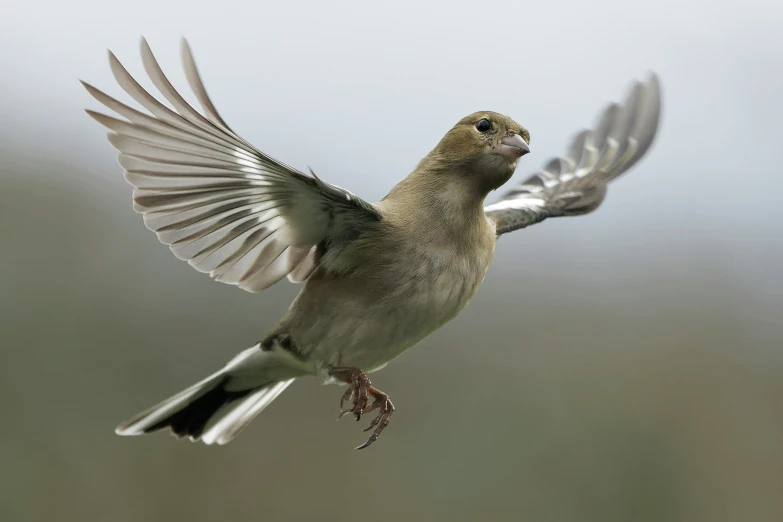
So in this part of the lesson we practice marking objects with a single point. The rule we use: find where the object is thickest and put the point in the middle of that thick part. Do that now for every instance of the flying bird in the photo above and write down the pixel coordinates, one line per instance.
(376, 278)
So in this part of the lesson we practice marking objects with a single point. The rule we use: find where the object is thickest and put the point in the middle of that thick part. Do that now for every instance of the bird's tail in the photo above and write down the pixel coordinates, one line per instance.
(213, 410)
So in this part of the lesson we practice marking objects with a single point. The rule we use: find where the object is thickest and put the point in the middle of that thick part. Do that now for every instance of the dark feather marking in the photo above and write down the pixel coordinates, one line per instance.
(191, 421)
(285, 342)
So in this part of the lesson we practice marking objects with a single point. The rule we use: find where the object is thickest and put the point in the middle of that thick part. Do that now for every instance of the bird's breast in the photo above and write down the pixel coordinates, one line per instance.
(404, 290)
(449, 280)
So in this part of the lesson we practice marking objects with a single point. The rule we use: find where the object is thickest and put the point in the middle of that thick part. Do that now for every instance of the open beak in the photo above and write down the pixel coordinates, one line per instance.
(512, 147)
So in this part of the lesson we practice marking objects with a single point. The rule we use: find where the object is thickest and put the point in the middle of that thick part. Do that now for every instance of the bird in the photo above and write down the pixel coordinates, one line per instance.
(377, 278)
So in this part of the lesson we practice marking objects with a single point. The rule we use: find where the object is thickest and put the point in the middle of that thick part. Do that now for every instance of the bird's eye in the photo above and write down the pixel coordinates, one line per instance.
(483, 125)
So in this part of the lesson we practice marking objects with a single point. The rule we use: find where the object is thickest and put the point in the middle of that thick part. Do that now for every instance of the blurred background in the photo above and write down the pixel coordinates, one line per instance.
(626, 365)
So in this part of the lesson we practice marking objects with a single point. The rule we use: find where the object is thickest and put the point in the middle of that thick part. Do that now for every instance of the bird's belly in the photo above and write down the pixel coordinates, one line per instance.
(369, 333)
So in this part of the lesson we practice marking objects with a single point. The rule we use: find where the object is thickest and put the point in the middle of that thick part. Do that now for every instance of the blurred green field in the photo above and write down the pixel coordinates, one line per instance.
(647, 392)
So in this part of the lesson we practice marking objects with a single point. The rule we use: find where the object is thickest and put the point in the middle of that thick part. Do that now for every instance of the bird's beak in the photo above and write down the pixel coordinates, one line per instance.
(512, 147)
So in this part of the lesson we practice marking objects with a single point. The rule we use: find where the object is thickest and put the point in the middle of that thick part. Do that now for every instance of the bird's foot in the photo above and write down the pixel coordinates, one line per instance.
(384, 404)
(359, 391)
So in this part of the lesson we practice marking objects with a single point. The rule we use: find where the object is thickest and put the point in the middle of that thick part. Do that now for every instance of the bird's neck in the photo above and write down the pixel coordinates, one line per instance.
(437, 192)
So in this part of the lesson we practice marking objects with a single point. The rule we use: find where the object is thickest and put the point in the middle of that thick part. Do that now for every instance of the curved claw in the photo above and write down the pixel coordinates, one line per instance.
(347, 396)
(372, 439)
(373, 424)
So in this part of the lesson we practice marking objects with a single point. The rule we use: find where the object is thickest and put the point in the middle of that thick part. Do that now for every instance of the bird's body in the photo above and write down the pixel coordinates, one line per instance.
(415, 279)
(378, 278)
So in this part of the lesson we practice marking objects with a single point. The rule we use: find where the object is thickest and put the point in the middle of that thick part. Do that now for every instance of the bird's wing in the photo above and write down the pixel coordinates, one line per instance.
(219, 203)
(576, 183)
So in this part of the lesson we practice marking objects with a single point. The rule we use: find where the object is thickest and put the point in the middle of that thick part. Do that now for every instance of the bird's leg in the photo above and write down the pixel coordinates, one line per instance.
(359, 390)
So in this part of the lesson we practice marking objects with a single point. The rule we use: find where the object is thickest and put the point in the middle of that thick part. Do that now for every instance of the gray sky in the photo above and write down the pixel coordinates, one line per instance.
(361, 92)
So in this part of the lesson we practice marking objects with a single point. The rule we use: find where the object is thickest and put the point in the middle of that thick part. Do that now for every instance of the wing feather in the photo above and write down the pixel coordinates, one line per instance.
(219, 203)
(576, 183)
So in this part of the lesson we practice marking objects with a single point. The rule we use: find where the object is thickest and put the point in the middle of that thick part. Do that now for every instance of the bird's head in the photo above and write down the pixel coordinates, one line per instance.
(485, 146)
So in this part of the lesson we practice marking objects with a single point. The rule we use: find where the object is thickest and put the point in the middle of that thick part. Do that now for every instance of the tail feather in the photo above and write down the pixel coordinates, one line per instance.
(142, 422)
(212, 410)
(226, 425)
(191, 420)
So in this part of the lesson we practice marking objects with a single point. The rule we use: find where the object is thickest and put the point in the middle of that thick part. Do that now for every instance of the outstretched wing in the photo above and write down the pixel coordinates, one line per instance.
(222, 205)
(576, 183)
